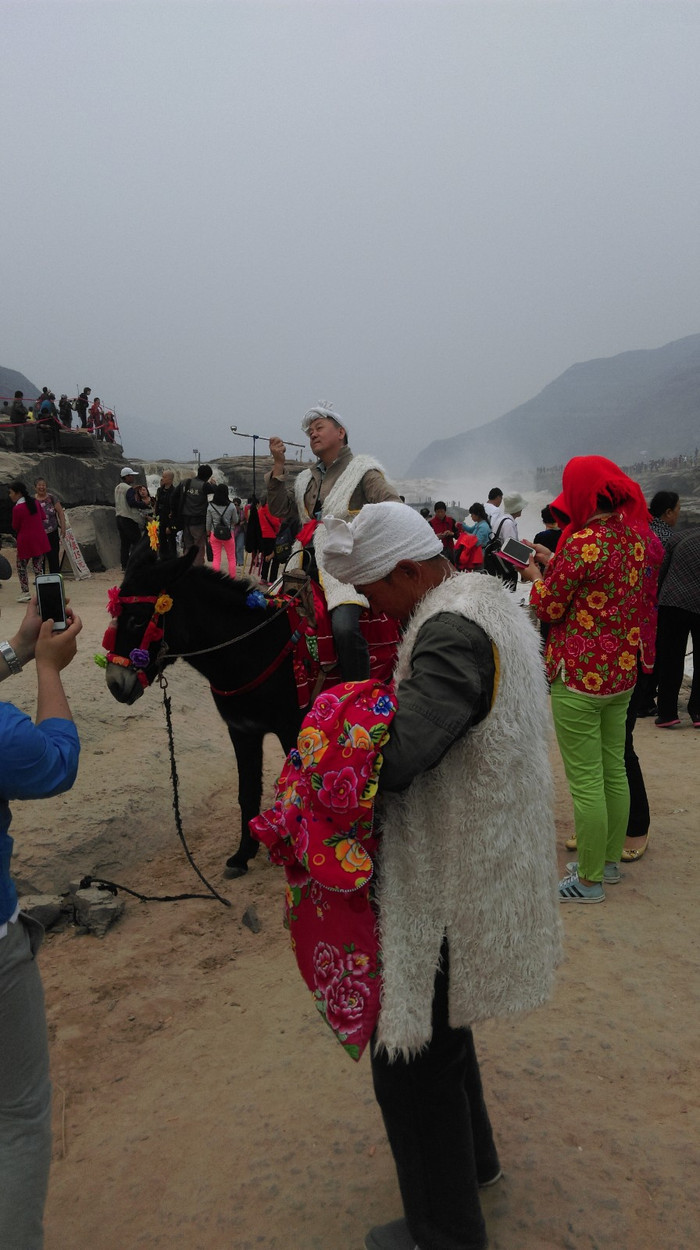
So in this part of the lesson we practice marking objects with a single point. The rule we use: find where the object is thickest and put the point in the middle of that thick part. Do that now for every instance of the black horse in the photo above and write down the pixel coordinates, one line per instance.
(208, 609)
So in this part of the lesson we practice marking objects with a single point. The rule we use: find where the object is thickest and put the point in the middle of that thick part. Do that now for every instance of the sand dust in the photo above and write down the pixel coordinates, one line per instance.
(201, 1103)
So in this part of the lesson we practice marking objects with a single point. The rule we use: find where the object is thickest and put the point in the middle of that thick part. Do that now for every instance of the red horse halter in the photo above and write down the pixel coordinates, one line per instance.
(139, 658)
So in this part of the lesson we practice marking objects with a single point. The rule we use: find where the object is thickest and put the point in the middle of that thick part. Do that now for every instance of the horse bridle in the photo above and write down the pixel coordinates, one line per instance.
(139, 658)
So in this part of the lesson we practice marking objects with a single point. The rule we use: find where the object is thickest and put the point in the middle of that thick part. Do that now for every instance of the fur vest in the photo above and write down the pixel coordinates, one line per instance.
(336, 503)
(467, 851)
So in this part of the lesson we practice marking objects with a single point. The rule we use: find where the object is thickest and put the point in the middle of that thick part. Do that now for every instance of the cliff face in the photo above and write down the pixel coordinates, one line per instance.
(638, 405)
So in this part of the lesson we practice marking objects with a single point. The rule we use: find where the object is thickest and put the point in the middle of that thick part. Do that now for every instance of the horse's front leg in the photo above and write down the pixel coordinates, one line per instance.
(249, 759)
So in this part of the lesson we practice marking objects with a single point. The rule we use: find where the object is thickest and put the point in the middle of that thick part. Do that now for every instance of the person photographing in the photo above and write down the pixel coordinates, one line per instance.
(37, 760)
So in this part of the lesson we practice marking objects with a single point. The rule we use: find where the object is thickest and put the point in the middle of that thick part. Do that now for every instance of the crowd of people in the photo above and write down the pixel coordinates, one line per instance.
(466, 898)
(51, 417)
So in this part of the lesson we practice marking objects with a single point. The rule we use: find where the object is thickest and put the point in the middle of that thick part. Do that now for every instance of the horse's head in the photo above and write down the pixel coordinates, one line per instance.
(134, 639)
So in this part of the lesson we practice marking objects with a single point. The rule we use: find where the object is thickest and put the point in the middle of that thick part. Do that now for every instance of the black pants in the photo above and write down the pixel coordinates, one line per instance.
(439, 1132)
(53, 556)
(350, 645)
(166, 541)
(129, 534)
(639, 818)
(671, 641)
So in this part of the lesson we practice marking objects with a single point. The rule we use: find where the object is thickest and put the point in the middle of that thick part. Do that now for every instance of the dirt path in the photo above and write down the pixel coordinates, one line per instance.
(201, 1103)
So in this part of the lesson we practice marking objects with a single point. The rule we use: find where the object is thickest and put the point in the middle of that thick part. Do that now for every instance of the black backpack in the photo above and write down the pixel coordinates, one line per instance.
(221, 530)
(492, 564)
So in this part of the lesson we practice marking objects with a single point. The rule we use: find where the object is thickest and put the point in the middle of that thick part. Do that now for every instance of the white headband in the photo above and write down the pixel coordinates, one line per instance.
(320, 411)
(373, 543)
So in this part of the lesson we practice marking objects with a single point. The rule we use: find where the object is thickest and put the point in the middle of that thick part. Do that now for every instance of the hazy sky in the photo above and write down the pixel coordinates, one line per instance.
(218, 214)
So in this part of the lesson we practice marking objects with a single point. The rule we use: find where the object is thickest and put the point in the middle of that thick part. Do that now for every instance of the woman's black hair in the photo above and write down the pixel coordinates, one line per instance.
(663, 501)
(220, 496)
(478, 509)
(20, 489)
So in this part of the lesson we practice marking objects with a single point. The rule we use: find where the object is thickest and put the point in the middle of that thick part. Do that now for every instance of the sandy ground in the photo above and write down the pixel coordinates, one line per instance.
(199, 1100)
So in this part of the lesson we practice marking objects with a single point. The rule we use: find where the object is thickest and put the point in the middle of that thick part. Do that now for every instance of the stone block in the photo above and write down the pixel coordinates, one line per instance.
(46, 908)
(96, 910)
(251, 919)
(95, 528)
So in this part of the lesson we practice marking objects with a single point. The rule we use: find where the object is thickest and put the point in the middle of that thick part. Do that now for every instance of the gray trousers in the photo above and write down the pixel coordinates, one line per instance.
(25, 1090)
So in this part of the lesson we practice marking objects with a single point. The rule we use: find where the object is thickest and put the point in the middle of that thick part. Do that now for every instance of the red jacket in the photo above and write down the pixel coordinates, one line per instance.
(31, 535)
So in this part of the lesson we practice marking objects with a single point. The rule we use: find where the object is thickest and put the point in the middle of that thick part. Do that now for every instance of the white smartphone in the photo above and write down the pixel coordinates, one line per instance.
(51, 599)
(518, 552)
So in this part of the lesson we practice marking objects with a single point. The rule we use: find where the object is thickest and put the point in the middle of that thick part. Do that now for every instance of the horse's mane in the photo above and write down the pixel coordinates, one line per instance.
(147, 575)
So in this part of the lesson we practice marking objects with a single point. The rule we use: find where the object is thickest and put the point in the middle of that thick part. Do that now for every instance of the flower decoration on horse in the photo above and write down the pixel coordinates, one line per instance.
(139, 657)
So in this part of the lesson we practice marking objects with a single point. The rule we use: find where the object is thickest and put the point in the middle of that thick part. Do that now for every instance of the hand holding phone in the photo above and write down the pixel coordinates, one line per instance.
(51, 599)
(516, 552)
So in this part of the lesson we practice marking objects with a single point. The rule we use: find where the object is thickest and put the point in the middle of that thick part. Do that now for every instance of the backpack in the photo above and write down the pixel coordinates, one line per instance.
(221, 530)
(492, 564)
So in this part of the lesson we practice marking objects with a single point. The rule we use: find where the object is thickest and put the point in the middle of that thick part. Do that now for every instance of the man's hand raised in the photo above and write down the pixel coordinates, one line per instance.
(278, 452)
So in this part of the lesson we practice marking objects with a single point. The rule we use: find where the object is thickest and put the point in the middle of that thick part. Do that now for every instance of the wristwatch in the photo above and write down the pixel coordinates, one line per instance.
(9, 655)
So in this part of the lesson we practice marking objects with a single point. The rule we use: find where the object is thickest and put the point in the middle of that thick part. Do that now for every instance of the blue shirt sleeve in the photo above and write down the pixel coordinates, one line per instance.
(36, 761)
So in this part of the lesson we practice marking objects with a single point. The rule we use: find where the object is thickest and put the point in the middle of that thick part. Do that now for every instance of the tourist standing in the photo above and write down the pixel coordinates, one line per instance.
(65, 411)
(679, 616)
(130, 510)
(18, 417)
(480, 525)
(190, 508)
(594, 598)
(221, 519)
(37, 760)
(81, 405)
(465, 886)
(54, 522)
(32, 541)
(163, 512)
(445, 528)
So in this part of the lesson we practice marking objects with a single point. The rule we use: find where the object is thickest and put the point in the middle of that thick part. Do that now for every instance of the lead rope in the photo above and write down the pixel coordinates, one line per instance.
(114, 886)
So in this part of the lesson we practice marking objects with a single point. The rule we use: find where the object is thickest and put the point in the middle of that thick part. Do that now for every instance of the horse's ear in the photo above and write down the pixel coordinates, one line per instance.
(141, 557)
(184, 564)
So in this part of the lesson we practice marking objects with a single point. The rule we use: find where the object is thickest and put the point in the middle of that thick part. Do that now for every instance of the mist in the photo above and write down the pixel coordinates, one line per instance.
(219, 214)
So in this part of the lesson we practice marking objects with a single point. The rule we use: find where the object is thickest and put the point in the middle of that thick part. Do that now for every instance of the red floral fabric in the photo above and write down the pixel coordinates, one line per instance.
(321, 829)
(316, 646)
(598, 595)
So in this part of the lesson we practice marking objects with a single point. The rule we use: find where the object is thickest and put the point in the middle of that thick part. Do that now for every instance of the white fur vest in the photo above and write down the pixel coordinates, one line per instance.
(336, 503)
(467, 851)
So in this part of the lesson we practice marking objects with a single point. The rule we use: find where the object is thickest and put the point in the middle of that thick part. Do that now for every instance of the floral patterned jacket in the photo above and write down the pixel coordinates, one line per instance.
(599, 596)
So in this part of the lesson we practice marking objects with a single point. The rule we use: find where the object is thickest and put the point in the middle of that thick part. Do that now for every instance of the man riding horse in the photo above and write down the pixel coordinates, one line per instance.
(339, 484)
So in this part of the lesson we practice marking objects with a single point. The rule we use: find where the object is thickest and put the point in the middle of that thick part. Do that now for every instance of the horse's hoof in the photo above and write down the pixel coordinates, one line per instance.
(234, 869)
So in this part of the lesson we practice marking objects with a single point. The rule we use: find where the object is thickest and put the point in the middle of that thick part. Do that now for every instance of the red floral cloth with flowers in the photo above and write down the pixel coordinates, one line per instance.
(598, 594)
(316, 645)
(321, 829)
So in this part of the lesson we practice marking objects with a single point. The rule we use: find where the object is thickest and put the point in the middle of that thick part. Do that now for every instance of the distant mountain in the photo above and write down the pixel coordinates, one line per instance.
(628, 407)
(11, 381)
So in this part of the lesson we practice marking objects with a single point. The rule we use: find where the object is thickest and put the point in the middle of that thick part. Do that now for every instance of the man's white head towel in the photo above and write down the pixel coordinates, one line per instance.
(371, 545)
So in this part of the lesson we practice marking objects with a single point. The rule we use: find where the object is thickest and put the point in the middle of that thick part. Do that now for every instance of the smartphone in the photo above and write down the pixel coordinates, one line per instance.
(51, 599)
(518, 553)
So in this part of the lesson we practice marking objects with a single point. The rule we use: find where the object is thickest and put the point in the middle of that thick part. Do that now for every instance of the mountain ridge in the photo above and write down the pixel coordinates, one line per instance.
(637, 404)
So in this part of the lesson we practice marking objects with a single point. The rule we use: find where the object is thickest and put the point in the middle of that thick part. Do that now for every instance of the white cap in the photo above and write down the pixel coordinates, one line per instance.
(130, 473)
(373, 543)
(321, 410)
